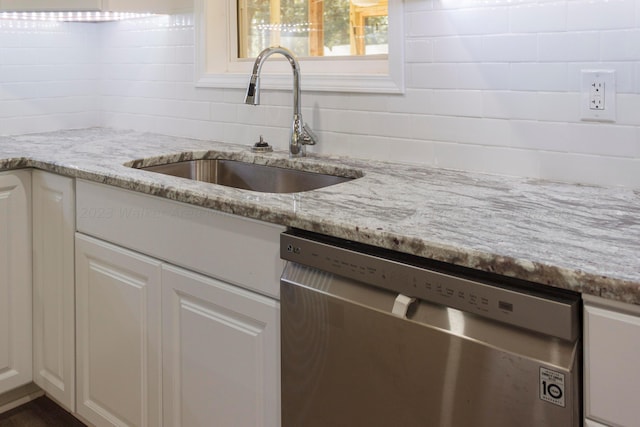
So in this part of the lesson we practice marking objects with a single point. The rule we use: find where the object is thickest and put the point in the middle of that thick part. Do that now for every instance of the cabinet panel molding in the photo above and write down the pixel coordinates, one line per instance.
(54, 286)
(15, 280)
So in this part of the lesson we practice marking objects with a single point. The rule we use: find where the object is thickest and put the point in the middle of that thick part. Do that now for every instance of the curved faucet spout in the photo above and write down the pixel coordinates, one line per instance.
(301, 135)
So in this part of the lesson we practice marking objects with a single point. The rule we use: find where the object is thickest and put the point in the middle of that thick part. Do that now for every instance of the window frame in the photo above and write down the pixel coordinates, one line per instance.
(319, 74)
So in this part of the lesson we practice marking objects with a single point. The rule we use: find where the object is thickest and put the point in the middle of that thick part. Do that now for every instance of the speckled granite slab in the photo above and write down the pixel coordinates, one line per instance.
(575, 237)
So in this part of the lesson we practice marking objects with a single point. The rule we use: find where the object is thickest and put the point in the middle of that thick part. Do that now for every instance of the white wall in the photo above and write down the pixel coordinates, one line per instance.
(492, 86)
(48, 78)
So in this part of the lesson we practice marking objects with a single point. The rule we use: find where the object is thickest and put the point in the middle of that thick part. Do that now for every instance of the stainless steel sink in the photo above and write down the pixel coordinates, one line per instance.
(248, 176)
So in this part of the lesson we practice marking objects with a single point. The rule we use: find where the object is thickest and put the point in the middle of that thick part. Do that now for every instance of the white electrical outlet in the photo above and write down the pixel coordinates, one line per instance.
(598, 100)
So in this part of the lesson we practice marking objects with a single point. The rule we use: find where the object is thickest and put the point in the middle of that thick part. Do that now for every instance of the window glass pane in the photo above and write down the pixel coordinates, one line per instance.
(313, 27)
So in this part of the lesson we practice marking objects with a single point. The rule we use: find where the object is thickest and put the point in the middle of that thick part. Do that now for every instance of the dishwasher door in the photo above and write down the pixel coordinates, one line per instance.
(348, 361)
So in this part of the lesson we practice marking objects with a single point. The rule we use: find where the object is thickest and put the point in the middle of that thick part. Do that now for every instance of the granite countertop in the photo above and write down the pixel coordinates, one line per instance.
(583, 238)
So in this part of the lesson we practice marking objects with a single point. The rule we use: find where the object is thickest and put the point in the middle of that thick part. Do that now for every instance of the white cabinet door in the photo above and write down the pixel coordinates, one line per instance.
(117, 335)
(15, 280)
(221, 354)
(53, 204)
(612, 371)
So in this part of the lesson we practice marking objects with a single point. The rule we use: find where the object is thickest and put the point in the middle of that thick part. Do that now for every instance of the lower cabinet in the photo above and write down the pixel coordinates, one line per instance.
(161, 345)
(220, 353)
(53, 201)
(121, 338)
(181, 329)
(118, 360)
(15, 280)
(611, 355)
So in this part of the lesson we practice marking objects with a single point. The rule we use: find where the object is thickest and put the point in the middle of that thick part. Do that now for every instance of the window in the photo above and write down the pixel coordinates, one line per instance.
(312, 28)
(342, 45)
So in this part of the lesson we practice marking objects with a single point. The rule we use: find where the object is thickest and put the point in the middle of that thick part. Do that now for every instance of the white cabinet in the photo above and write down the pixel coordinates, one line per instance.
(117, 335)
(15, 280)
(151, 6)
(53, 204)
(220, 314)
(220, 353)
(612, 371)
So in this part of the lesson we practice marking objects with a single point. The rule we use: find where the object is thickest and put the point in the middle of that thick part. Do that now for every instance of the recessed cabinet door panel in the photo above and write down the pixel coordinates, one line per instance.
(15, 280)
(118, 335)
(220, 354)
(53, 286)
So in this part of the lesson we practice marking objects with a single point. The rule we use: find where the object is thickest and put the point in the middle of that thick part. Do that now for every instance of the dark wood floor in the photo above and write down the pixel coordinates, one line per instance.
(41, 412)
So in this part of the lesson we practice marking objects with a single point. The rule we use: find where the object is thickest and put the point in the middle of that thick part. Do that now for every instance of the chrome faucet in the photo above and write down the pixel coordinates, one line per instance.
(301, 135)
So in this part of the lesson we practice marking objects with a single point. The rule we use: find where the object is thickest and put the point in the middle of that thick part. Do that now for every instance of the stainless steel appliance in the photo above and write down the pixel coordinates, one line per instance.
(473, 349)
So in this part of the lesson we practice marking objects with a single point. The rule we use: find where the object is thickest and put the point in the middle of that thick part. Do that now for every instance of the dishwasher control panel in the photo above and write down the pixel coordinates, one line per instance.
(546, 315)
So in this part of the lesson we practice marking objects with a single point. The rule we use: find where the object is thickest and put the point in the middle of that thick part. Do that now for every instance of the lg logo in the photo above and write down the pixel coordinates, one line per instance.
(292, 249)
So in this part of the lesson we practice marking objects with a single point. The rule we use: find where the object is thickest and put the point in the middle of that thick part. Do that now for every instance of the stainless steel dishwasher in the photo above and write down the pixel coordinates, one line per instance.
(373, 338)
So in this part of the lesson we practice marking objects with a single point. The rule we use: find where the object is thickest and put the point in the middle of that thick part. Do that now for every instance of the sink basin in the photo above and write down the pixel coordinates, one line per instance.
(248, 176)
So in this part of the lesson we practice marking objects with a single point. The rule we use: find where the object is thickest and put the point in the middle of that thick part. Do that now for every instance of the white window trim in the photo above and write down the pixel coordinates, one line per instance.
(320, 75)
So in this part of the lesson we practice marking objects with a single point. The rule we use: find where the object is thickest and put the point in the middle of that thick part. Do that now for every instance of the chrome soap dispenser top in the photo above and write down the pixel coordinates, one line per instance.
(301, 135)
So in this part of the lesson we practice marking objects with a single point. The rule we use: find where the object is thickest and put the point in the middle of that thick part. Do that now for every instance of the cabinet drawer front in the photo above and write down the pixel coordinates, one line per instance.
(238, 250)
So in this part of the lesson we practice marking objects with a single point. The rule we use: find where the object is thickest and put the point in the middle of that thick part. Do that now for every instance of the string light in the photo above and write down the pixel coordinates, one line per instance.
(285, 28)
(73, 16)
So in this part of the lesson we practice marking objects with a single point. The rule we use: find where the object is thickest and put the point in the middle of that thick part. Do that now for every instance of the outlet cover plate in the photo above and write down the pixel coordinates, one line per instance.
(604, 97)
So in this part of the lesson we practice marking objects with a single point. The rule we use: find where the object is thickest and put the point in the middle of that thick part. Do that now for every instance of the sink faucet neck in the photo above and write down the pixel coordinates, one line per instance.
(301, 135)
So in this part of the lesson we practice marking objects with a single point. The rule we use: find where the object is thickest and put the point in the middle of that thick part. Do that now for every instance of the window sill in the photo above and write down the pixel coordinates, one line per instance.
(326, 83)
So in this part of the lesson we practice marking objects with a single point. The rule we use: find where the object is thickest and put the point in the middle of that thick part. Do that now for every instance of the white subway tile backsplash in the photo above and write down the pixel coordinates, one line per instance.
(628, 110)
(590, 169)
(535, 76)
(414, 101)
(510, 105)
(458, 49)
(603, 139)
(418, 50)
(539, 136)
(569, 47)
(510, 48)
(471, 76)
(558, 106)
(497, 160)
(538, 17)
(465, 103)
(620, 45)
(600, 14)
(480, 20)
(48, 77)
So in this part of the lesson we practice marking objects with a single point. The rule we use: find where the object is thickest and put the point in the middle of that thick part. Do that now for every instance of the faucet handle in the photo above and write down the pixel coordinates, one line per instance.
(308, 136)
(252, 96)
